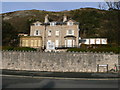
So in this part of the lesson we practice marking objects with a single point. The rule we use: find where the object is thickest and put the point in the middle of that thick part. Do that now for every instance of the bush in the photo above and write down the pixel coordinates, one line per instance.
(7, 48)
(98, 49)
(18, 48)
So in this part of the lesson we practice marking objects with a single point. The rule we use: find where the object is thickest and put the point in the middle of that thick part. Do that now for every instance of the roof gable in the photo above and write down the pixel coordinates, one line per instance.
(70, 20)
(37, 22)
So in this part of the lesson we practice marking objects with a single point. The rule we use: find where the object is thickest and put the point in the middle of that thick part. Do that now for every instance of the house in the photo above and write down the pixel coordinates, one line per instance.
(52, 35)
(93, 41)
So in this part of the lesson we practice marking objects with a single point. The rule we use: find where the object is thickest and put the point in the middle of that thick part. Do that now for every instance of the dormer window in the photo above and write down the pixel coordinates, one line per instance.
(37, 24)
(70, 23)
(52, 23)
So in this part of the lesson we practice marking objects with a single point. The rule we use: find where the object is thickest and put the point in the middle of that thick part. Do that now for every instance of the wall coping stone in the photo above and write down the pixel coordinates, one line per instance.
(111, 53)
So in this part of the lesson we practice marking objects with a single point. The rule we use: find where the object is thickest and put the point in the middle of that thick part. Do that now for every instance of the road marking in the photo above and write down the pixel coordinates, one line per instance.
(63, 78)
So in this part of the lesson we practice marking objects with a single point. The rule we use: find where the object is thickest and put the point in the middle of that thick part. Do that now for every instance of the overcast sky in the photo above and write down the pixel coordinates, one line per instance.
(48, 6)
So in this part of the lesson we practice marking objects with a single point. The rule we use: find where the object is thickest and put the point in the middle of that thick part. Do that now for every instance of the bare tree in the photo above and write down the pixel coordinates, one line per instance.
(102, 6)
(113, 4)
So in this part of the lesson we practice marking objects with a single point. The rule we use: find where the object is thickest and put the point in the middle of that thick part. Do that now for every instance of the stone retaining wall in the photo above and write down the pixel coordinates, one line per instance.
(57, 61)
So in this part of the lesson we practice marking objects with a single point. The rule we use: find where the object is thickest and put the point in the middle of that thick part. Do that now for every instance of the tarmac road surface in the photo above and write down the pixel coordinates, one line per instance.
(13, 81)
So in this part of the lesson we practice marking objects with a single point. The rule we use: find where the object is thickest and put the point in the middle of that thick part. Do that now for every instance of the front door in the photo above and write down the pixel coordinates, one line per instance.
(50, 45)
(69, 43)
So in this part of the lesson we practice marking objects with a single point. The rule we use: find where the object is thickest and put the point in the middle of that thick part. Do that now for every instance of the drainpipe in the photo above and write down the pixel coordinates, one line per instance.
(44, 47)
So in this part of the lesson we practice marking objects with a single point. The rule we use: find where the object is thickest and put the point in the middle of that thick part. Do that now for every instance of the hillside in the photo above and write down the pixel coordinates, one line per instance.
(93, 22)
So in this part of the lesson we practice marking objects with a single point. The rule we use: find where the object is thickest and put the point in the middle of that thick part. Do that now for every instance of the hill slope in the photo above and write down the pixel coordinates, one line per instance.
(93, 22)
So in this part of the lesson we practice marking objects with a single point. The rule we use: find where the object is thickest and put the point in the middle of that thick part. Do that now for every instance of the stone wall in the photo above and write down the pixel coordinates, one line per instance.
(57, 61)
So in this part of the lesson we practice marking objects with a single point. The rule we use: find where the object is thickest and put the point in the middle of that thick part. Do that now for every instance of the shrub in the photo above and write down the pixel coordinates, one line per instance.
(98, 49)
(7, 48)
(24, 49)
(18, 48)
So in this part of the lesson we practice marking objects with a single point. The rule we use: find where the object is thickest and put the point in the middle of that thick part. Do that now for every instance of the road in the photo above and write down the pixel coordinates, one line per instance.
(12, 81)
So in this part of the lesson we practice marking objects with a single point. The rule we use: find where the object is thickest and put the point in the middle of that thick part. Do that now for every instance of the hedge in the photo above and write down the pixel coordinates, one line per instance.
(18, 48)
(102, 49)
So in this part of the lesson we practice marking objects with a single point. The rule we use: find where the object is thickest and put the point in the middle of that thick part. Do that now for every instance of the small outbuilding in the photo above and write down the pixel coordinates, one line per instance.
(31, 41)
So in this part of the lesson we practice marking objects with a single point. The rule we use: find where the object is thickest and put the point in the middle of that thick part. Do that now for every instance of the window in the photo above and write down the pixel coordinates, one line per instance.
(37, 33)
(104, 41)
(70, 32)
(56, 43)
(23, 43)
(70, 23)
(39, 43)
(57, 33)
(49, 33)
(35, 43)
(26, 43)
(32, 43)
(37, 24)
(52, 23)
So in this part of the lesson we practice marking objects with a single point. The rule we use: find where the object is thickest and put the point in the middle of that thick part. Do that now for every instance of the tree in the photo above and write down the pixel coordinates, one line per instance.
(113, 4)
(9, 35)
(102, 6)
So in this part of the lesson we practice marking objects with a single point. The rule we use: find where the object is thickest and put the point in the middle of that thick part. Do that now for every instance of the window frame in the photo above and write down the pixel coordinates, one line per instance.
(52, 23)
(69, 23)
(49, 32)
(72, 32)
(37, 33)
(57, 32)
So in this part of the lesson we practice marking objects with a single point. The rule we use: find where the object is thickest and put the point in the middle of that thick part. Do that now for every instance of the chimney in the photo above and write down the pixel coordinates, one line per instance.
(46, 19)
(64, 18)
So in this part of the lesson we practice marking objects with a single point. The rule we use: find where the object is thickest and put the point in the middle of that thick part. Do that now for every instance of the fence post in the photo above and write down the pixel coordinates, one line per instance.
(97, 67)
(107, 68)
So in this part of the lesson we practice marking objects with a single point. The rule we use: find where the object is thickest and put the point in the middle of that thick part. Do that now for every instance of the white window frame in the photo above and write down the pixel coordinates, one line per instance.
(56, 43)
(49, 32)
(57, 33)
(36, 32)
(70, 33)
(69, 23)
(26, 43)
(32, 43)
(73, 43)
(69, 43)
(52, 23)
(103, 41)
(37, 24)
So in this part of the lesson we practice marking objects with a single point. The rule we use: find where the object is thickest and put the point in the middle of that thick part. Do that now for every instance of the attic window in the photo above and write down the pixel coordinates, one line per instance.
(52, 23)
(37, 24)
(70, 23)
